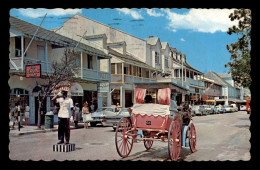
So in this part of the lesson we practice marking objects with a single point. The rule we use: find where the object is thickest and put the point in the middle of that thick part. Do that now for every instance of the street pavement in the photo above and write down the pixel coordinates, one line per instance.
(219, 137)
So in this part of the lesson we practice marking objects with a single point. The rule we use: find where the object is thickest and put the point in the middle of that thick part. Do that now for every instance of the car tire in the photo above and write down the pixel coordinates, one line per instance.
(93, 124)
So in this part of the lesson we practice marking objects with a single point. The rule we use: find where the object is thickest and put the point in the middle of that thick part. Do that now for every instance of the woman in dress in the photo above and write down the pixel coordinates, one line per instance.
(86, 114)
(27, 112)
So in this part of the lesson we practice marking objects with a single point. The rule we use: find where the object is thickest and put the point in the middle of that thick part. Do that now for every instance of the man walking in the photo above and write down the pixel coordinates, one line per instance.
(64, 114)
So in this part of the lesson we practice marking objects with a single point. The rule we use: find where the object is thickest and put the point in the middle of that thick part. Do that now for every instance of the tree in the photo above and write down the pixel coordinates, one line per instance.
(239, 65)
(61, 72)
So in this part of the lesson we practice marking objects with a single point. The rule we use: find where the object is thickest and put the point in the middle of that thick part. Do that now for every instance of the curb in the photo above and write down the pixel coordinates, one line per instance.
(38, 131)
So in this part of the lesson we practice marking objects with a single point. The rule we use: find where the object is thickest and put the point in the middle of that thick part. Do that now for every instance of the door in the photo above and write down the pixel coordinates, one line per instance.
(43, 111)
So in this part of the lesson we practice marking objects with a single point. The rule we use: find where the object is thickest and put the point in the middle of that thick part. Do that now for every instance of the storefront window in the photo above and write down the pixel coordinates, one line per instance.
(20, 96)
(113, 68)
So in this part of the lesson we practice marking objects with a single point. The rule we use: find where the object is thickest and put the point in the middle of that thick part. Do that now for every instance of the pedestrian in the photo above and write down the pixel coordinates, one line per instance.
(64, 114)
(16, 113)
(27, 113)
(11, 115)
(92, 107)
(174, 109)
(76, 114)
(173, 105)
(117, 107)
(86, 114)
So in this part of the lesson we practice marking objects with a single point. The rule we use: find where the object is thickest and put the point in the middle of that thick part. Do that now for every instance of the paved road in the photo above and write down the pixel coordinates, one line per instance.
(219, 137)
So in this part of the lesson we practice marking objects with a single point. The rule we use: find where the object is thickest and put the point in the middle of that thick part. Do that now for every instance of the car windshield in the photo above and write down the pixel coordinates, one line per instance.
(99, 109)
(124, 113)
(109, 109)
(195, 107)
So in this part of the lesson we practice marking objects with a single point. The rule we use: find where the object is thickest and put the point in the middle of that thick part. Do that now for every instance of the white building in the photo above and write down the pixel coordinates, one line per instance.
(46, 47)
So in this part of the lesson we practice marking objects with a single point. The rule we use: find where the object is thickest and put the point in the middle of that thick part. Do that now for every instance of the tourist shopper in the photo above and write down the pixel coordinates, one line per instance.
(86, 114)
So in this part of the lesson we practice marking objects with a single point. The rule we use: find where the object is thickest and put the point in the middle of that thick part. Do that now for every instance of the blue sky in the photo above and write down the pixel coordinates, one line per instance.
(201, 34)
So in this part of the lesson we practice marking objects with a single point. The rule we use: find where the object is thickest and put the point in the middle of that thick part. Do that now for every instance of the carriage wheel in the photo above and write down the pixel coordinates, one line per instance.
(174, 140)
(192, 138)
(124, 142)
(148, 144)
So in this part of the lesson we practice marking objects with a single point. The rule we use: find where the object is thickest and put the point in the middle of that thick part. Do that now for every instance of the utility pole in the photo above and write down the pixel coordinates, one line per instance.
(181, 70)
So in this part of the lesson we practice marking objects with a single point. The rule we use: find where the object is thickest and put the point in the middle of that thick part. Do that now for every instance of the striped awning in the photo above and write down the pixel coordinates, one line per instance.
(73, 90)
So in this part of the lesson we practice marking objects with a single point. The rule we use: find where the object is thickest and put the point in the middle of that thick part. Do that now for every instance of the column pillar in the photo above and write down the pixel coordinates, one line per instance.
(22, 51)
(122, 96)
(81, 64)
(46, 57)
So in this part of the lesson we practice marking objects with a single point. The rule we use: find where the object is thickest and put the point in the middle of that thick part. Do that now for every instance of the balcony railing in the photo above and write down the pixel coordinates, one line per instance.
(88, 74)
(93, 75)
(16, 66)
(175, 81)
(195, 82)
(117, 78)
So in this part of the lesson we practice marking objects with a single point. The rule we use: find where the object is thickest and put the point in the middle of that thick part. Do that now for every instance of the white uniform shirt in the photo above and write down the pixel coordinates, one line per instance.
(27, 109)
(65, 107)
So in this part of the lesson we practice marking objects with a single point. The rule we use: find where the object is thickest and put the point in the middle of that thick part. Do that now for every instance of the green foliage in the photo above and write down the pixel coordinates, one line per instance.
(239, 65)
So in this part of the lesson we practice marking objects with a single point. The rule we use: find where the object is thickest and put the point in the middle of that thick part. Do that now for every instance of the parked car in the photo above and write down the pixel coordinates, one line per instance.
(220, 109)
(214, 110)
(195, 110)
(243, 108)
(228, 108)
(98, 116)
(112, 120)
(209, 109)
(203, 109)
(234, 106)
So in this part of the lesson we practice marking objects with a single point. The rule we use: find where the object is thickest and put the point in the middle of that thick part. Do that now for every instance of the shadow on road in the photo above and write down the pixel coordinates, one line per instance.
(157, 153)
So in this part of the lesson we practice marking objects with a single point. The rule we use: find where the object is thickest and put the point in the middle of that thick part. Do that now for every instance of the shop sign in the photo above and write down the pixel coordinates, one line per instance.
(103, 87)
(204, 97)
(193, 97)
(33, 71)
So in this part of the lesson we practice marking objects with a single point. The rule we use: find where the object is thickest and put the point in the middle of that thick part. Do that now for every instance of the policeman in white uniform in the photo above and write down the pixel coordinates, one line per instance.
(64, 114)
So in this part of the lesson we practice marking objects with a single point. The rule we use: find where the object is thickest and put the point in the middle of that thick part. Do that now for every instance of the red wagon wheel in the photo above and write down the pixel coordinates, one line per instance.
(192, 138)
(174, 140)
(148, 144)
(123, 139)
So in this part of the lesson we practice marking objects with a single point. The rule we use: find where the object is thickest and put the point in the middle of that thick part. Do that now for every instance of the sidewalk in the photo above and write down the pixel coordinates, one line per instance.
(33, 129)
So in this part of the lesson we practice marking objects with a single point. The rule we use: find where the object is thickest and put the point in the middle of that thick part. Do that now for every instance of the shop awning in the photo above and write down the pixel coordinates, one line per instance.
(74, 89)
(211, 101)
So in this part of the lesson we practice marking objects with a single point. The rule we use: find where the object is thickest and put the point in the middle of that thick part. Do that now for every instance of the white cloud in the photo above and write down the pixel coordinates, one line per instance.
(131, 12)
(40, 12)
(171, 29)
(182, 39)
(201, 20)
(153, 13)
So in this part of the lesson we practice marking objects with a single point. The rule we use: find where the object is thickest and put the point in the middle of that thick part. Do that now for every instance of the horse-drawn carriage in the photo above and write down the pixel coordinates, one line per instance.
(157, 123)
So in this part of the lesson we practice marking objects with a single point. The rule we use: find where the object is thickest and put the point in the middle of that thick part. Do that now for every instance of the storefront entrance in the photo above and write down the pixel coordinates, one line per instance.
(43, 111)
(128, 99)
(91, 98)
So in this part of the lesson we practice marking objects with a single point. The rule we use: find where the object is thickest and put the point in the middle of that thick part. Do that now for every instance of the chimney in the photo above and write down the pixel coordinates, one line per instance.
(151, 36)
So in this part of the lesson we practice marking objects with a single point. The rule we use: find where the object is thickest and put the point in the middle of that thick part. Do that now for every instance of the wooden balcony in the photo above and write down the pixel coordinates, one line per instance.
(88, 74)
(118, 78)
(16, 65)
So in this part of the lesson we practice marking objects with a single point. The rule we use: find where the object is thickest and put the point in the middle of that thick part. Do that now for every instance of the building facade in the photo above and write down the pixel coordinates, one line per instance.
(43, 49)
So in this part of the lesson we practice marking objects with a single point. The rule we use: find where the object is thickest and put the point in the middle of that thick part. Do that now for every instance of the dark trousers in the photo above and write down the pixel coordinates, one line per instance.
(64, 129)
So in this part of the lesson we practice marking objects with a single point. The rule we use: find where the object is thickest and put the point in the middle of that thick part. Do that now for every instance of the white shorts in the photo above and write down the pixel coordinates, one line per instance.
(26, 114)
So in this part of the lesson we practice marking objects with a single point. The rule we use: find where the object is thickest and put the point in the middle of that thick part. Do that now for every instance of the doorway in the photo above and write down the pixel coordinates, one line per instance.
(43, 111)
